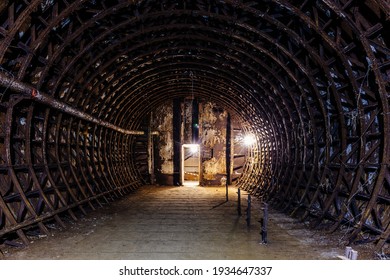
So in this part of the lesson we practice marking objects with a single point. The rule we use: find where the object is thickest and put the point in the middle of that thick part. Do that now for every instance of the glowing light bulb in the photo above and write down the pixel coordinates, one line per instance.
(249, 140)
(194, 148)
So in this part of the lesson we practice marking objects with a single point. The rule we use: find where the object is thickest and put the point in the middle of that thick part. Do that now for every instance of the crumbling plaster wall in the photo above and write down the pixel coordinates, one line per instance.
(213, 142)
(212, 139)
(162, 123)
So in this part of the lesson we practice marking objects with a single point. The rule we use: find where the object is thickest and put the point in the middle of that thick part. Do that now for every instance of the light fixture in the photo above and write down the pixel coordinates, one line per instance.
(194, 148)
(249, 140)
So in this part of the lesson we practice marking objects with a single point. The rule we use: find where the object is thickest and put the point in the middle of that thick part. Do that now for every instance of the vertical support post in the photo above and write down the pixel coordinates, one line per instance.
(195, 121)
(248, 211)
(264, 223)
(227, 191)
(151, 152)
(228, 150)
(239, 202)
(176, 141)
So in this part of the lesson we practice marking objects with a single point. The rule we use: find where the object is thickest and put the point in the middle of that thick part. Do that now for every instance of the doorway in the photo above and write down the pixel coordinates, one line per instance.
(190, 165)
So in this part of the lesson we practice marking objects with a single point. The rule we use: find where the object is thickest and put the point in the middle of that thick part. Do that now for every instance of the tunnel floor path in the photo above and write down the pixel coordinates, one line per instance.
(162, 222)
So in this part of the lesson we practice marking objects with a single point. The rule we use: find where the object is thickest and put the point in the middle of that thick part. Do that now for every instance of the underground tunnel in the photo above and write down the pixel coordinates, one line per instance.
(287, 100)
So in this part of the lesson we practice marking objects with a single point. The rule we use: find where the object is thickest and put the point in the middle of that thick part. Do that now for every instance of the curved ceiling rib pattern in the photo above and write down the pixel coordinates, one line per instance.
(309, 78)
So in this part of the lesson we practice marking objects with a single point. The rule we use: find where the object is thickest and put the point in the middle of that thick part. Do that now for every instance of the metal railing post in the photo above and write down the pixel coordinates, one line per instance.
(239, 203)
(248, 211)
(264, 223)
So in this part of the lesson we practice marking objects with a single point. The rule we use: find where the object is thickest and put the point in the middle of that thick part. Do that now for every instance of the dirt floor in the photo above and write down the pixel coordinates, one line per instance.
(182, 223)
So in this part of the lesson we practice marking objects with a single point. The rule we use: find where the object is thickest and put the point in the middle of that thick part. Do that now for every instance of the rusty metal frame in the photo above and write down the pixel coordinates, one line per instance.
(323, 66)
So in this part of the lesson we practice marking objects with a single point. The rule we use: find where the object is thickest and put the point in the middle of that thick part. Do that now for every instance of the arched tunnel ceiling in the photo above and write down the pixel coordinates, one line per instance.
(309, 78)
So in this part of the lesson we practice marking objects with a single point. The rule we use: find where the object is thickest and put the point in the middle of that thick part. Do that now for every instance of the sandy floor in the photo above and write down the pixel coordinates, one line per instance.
(180, 223)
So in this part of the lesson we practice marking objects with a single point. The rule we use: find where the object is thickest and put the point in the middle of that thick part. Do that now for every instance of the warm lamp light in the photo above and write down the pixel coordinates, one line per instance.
(249, 140)
(193, 148)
